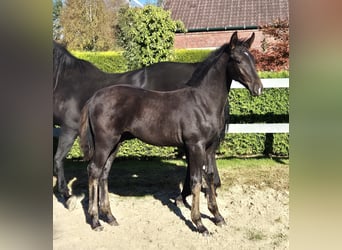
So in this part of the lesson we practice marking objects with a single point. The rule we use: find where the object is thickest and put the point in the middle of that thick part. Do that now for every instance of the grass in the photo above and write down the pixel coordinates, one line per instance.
(278, 238)
(260, 172)
(255, 235)
(133, 177)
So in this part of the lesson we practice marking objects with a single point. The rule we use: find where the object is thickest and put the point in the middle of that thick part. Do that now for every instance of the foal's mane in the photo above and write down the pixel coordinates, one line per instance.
(204, 66)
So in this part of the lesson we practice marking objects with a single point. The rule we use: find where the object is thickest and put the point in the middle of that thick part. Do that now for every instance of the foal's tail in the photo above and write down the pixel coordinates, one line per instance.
(86, 135)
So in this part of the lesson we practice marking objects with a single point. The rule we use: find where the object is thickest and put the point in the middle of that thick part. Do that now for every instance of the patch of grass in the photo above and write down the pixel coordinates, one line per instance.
(278, 220)
(278, 238)
(251, 162)
(254, 234)
(133, 177)
(258, 172)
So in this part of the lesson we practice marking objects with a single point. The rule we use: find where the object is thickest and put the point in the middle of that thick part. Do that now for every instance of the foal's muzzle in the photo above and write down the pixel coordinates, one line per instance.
(257, 89)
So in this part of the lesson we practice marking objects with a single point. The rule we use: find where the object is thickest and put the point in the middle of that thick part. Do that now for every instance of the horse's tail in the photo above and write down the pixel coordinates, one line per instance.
(86, 135)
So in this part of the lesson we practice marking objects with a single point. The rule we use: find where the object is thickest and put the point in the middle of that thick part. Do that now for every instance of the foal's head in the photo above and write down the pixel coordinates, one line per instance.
(241, 65)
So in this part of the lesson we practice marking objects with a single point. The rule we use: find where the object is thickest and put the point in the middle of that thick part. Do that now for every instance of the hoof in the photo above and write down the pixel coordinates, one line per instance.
(98, 228)
(64, 192)
(71, 203)
(202, 230)
(95, 225)
(66, 195)
(179, 202)
(206, 234)
(113, 223)
(220, 222)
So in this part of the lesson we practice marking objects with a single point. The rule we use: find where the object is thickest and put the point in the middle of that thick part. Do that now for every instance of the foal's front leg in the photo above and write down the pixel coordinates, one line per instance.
(180, 200)
(209, 174)
(211, 199)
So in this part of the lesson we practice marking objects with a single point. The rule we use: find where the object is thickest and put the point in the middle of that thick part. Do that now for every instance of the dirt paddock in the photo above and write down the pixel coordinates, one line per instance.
(256, 212)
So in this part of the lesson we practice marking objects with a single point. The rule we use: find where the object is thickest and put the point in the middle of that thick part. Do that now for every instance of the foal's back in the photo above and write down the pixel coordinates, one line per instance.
(158, 118)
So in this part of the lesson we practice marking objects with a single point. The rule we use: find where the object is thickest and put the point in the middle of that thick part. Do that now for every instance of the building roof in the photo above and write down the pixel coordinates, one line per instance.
(226, 14)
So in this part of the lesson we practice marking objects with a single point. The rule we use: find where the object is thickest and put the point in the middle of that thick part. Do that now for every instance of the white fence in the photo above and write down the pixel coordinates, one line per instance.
(261, 127)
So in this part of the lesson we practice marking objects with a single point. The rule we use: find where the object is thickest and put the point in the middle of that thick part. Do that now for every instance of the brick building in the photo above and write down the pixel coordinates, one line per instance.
(211, 22)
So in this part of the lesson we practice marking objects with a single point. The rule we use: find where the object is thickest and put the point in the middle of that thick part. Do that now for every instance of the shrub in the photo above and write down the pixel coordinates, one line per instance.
(275, 55)
(146, 34)
(272, 106)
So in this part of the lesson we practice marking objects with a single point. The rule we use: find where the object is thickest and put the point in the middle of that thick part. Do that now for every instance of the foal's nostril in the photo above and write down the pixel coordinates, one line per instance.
(258, 90)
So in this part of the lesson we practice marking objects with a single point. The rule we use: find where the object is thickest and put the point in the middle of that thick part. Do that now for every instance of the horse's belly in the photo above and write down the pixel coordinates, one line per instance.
(160, 137)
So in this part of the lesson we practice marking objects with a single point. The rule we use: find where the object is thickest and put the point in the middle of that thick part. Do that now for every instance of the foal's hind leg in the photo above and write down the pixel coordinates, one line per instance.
(209, 173)
(98, 172)
(104, 196)
(186, 190)
(65, 142)
(95, 170)
(181, 199)
(94, 173)
(196, 161)
(212, 164)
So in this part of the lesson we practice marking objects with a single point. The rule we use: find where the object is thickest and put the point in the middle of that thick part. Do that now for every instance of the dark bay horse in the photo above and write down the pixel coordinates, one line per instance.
(76, 80)
(191, 117)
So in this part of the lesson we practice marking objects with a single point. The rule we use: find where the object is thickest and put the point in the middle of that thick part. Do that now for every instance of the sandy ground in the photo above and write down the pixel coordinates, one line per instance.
(257, 217)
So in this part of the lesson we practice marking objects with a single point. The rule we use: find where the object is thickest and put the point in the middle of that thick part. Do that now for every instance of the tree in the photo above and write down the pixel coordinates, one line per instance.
(56, 26)
(275, 54)
(160, 3)
(146, 34)
(89, 24)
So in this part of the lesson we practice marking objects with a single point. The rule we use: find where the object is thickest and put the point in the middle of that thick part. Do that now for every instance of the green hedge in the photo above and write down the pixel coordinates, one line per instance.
(190, 55)
(271, 107)
(109, 61)
(114, 62)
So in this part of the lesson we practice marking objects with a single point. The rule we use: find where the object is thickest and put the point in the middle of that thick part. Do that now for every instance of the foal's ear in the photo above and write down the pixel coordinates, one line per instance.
(233, 40)
(249, 41)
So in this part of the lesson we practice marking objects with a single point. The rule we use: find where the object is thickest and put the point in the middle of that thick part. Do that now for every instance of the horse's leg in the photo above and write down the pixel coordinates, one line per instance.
(181, 199)
(94, 173)
(104, 196)
(197, 161)
(217, 181)
(211, 198)
(216, 177)
(209, 176)
(65, 142)
(186, 191)
(226, 122)
(212, 164)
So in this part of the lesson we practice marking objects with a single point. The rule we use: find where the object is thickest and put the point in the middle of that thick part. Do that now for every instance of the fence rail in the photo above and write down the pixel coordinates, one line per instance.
(258, 128)
(251, 127)
(267, 83)
(261, 127)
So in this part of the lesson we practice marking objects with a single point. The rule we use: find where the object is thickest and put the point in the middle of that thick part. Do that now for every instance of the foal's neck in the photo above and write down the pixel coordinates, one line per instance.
(215, 84)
